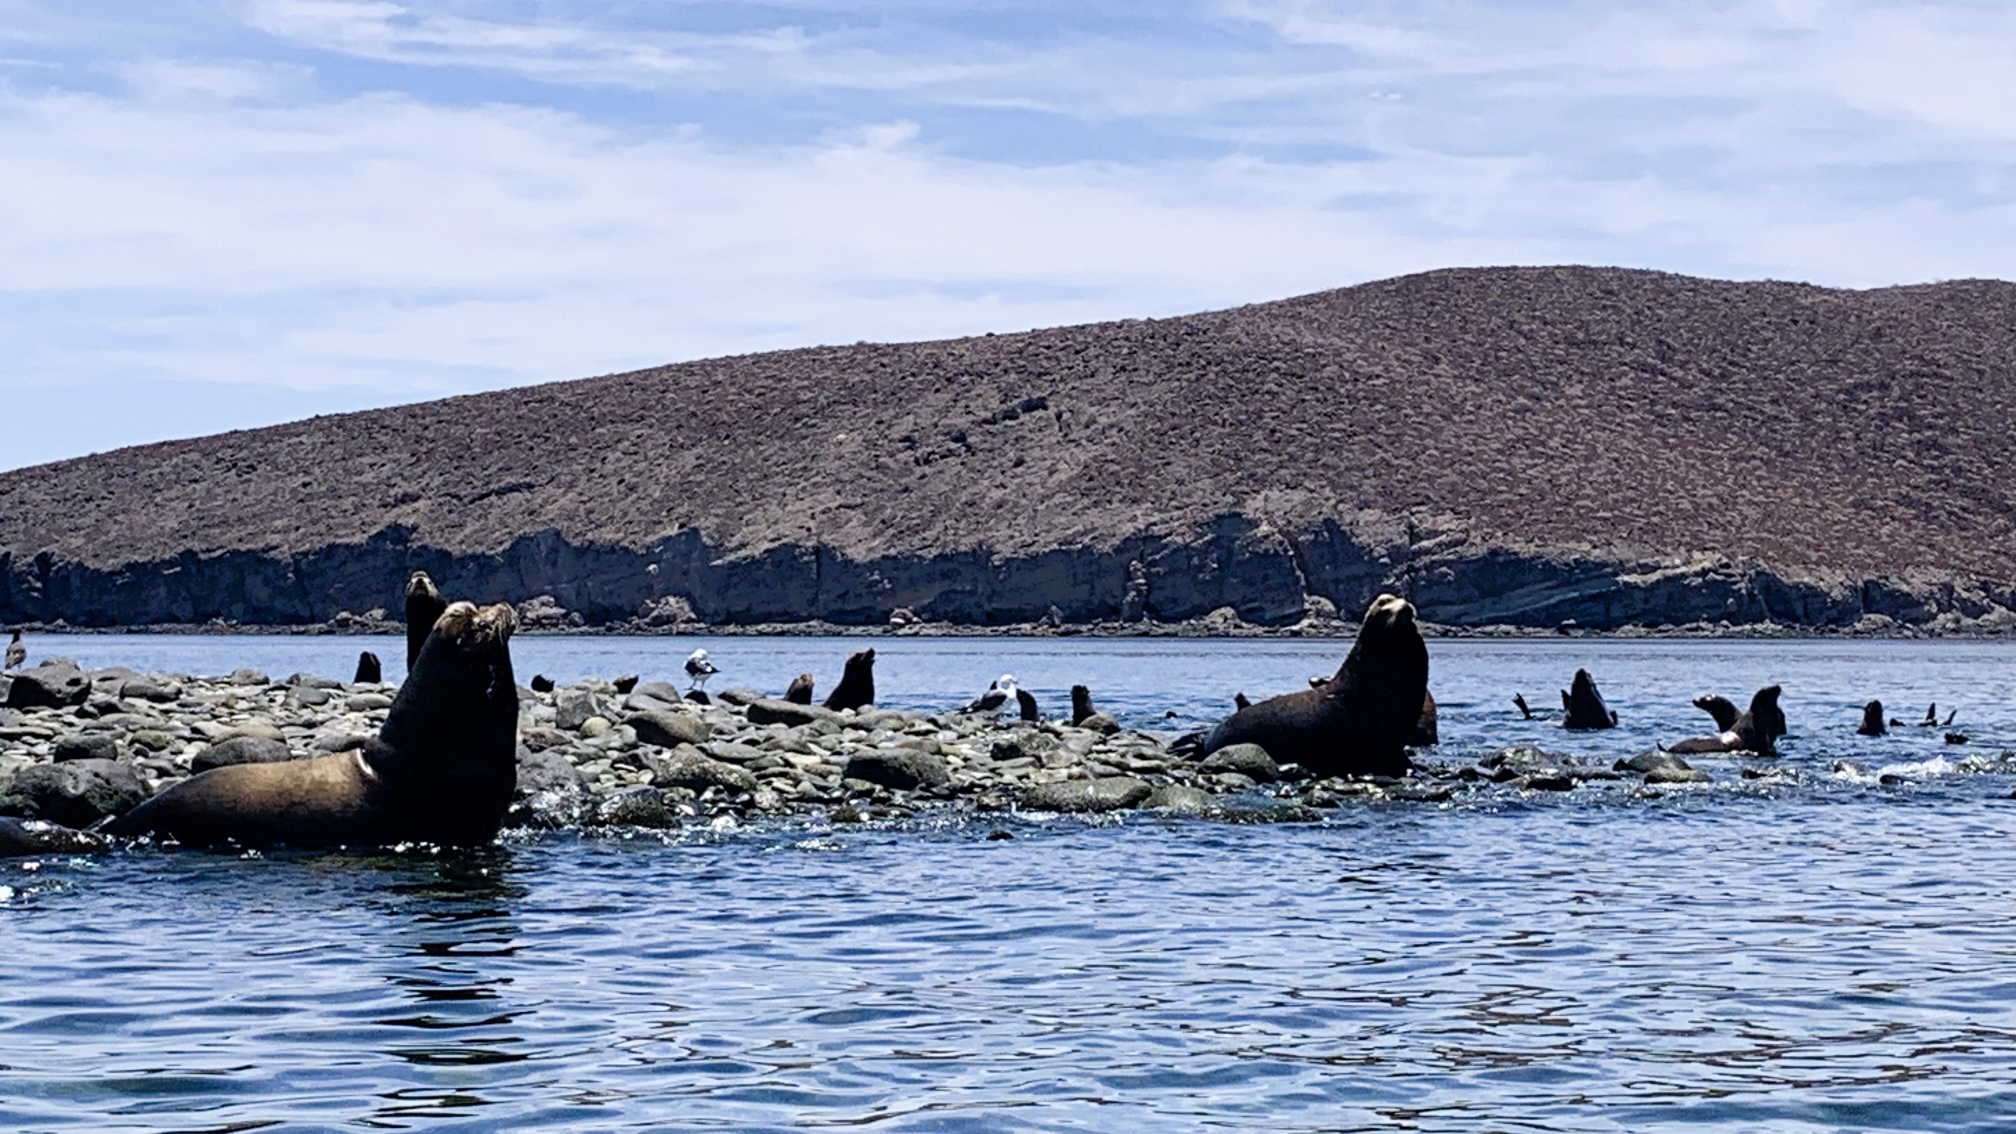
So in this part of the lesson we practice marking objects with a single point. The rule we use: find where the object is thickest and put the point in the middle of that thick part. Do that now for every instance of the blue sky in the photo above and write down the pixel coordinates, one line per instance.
(222, 214)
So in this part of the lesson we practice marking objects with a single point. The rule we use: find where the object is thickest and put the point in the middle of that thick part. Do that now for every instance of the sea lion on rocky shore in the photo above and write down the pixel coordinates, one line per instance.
(1081, 704)
(1755, 731)
(423, 607)
(857, 683)
(369, 671)
(800, 692)
(441, 770)
(1872, 720)
(1583, 705)
(1359, 722)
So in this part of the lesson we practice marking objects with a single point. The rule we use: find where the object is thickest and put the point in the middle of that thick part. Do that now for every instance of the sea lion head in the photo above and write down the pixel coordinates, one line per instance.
(421, 585)
(1389, 612)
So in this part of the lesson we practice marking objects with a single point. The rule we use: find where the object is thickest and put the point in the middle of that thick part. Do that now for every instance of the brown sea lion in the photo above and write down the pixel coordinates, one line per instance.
(1872, 720)
(1584, 705)
(1081, 704)
(800, 692)
(1359, 722)
(1427, 730)
(423, 606)
(369, 671)
(857, 683)
(1721, 708)
(1756, 730)
(441, 770)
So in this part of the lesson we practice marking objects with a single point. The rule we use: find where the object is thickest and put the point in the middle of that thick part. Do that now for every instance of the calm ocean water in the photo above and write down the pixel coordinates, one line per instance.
(1819, 951)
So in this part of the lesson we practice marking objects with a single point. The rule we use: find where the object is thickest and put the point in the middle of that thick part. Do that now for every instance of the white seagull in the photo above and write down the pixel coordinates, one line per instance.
(699, 668)
(1000, 691)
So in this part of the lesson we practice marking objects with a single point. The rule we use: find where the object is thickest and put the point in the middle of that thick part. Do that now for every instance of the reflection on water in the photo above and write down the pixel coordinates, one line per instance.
(1818, 951)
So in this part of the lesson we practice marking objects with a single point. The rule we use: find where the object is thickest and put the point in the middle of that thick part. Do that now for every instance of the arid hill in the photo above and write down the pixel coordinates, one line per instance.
(1503, 445)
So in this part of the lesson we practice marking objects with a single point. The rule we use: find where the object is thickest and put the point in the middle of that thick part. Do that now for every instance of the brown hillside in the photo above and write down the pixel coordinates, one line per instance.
(1607, 410)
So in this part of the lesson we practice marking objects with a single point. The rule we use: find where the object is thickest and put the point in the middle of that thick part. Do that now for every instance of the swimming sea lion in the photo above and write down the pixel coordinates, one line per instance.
(1360, 721)
(857, 683)
(800, 692)
(1584, 705)
(1721, 708)
(1426, 730)
(1755, 731)
(1931, 716)
(1525, 710)
(441, 770)
(423, 607)
(1872, 720)
(369, 672)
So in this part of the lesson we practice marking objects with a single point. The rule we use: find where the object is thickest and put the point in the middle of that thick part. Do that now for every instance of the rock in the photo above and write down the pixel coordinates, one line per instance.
(663, 692)
(75, 794)
(145, 690)
(770, 710)
(339, 741)
(84, 746)
(368, 702)
(264, 729)
(1180, 797)
(640, 807)
(1109, 793)
(739, 754)
(1029, 743)
(904, 769)
(738, 696)
(1662, 768)
(50, 685)
(309, 696)
(573, 707)
(312, 681)
(248, 677)
(669, 729)
(1249, 760)
(241, 750)
(546, 771)
(697, 773)
(1101, 723)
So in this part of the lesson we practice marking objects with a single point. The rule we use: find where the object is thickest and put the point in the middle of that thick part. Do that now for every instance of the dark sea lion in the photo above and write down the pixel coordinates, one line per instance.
(1872, 720)
(1360, 721)
(625, 684)
(39, 836)
(1081, 704)
(1026, 702)
(1525, 709)
(800, 692)
(1931, 716)
(857, 683)
(1721, 708)
(441, 770)
(1584, 705)
(1757, 730)
(423, 607)
(541, 683)
(369, 672)
(1427, 730)
(1241, 701)
(17, 652)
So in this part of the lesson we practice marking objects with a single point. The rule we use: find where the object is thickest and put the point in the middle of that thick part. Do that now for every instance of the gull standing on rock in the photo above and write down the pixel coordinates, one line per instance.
(1000, 691)
(699, 668)
(16, 652)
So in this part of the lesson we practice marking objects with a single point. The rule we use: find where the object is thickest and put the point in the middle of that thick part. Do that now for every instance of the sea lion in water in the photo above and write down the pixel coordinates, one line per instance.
(1360, 721)
(369, 672)
(423, 608)
(857, 683)
(800, 692)
(1756, 730)
(1872, 720)
(1721, 708)
(1583, 705)
(441, 770)
(1427, 730)
(1525, 710)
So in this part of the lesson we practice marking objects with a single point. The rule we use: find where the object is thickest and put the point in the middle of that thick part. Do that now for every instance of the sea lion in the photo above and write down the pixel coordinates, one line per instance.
(423, 607)
(857, 683)
(1872, 720)
(441, 770)
(1721, 708)
(1931, 716)
(1026, 702)
(800, 692)
(40, 836)
(1525, 710)
(1241, 701)
(369, 671)
(1756, 730)
(1426, 730)
(542, 683)
(1359, 722)
(1584, 705)
(17, 652)
(1081, 704)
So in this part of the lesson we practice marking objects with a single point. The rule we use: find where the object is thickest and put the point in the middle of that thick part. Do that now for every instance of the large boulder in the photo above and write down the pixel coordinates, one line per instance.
(697, 773)
(904, 769)
(668, 729)
(51, 685)
(573, 707)
(241, 750)
(75, 794)
(1248, 760)
(546, 771)
(1107, 793)
(84, 746)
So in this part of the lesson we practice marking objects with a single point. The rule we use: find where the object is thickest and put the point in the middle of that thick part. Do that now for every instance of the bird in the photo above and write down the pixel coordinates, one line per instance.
(699, 668)
(999, 692)
(16, 652)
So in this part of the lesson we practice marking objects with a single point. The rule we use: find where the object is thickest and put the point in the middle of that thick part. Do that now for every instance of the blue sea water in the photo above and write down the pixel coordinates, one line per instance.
(1819, 950)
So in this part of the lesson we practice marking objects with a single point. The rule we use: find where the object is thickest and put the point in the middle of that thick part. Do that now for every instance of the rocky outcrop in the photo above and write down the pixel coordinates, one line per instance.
(1526, 447)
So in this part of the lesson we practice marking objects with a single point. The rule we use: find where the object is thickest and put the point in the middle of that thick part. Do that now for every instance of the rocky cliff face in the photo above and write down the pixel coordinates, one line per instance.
(1521, 446)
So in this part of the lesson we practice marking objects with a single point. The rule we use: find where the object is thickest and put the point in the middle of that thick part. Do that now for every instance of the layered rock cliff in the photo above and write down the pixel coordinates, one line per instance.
(1517, 446)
